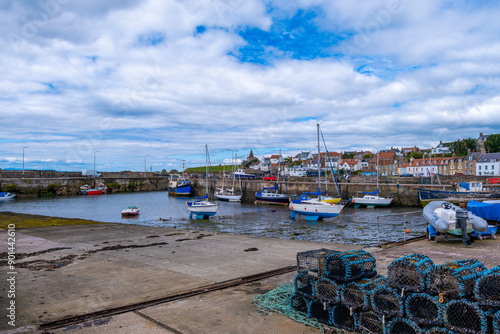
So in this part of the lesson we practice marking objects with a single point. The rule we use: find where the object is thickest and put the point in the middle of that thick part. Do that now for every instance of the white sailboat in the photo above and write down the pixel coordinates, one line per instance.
(314, 208)
(371, 199)
(202, 208)
(226, 194)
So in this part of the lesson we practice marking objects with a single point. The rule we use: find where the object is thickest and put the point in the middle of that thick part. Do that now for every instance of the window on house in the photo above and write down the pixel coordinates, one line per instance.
(479, 168)
(492, 166)
(485, 167)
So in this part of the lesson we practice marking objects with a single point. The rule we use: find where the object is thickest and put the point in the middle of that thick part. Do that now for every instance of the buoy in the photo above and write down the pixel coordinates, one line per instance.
(291, 207)
(407, 231)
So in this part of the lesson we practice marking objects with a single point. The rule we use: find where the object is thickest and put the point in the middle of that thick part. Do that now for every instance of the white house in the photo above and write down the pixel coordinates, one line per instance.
(295, 171)
(441, 149)
(488, 164)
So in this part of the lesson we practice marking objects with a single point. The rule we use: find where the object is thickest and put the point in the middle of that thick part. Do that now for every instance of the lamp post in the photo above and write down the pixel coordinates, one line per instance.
(94, 167)
(23, 159)
(145, 168)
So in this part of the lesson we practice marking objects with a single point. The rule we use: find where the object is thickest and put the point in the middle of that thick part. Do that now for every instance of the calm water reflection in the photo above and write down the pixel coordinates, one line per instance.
(159, 209)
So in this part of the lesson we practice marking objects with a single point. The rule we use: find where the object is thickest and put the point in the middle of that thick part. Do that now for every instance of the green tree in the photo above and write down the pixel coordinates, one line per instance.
(492, 144)
(414, 155)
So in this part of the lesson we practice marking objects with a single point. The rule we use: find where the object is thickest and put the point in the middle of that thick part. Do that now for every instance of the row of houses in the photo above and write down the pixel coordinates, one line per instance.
(387, 163)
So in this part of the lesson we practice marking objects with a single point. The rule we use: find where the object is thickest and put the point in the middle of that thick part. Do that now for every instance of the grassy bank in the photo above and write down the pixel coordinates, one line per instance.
(24, 220)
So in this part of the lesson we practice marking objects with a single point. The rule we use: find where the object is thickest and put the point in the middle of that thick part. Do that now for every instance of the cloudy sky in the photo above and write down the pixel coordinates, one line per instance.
(128, 78)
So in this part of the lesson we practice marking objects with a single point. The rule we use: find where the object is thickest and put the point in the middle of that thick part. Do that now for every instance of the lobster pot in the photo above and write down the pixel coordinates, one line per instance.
(496, 323)
(424, 309)
(465, 317)
(402, 326)
(319, 311)
(455, 279)
(440, 330)
(326, 291)
(302, 284)
(356, 295)
(350, 266)
(313, 261)
(370, 323)
(409, 272)
(342, 317)
(487, 290)
(387, 301)
(299, 302)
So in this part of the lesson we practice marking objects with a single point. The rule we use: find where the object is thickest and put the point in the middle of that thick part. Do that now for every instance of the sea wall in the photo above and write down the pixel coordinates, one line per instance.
(403, 190)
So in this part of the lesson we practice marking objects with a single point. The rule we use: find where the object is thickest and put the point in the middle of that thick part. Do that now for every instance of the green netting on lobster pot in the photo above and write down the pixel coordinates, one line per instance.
(465, 317)
(440, 330)
(409, 272)
(356, 295)
(369, 322)
(313, 261)
(302, 284)
(299, 302)
(487, 289)
(424, 309)
(319, 311)
(387, 301)
(453, 280)
(326, 291)
(496, 323)
(342, 317)
(402, 326)
(350, 266)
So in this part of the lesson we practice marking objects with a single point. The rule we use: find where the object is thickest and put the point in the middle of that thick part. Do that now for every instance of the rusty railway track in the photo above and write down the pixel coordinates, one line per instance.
(180, 295)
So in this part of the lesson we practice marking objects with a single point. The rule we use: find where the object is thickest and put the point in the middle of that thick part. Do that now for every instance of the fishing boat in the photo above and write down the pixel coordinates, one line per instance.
(179, 185)
(371, 199)
(131, 211)
(465, 192)
(314, 209)
(6, 195)
(446, 219)
(243, 175)
(202, 208)
(271, 195)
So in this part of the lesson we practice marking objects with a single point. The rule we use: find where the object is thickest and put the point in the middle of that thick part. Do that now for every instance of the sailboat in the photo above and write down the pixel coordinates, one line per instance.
(224, 194)
(202, 208)
(371, 199)
(314, 208)
(271, 195)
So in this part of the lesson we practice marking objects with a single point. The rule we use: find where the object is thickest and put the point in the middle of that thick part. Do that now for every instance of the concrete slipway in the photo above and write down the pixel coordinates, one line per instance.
(74, 270)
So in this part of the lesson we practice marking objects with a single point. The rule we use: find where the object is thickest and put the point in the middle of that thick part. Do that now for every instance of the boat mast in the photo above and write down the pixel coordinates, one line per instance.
(279, 162)
(319, 164)
(206, 168)
(377, 172)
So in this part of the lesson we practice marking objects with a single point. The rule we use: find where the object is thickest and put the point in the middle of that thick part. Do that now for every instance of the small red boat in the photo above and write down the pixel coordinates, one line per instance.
(98, 190)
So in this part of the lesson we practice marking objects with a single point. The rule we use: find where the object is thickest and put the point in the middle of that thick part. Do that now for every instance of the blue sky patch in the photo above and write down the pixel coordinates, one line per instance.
(297, 37)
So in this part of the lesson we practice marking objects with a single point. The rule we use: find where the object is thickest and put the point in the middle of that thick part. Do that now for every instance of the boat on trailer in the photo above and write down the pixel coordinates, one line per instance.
(445, 218)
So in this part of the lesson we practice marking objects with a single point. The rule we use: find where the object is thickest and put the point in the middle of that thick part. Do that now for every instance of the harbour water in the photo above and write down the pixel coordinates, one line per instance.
(352, 226)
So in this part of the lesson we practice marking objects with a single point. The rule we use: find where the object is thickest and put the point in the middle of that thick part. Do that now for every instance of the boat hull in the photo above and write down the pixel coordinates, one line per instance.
(181, 191)
(5, 196)
(427, 195)
(228, 198)
(315, 211)
(277, 199)
(201, 209)
(371, 201)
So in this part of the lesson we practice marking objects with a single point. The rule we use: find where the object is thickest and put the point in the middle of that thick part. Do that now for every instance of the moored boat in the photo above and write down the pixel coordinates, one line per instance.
(179, 185)
(131, 211)
(100, 189)
(466, 191)
(270, 195)
(6, 195)
(314, 208)
(202, 208)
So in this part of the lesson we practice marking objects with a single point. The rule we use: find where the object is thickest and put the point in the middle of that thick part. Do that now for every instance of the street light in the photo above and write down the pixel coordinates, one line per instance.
(145, 168)
(23, 159)
(94, 167)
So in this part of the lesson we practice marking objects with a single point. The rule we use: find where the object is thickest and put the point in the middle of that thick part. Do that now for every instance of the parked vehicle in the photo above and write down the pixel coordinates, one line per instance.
(270, 178)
